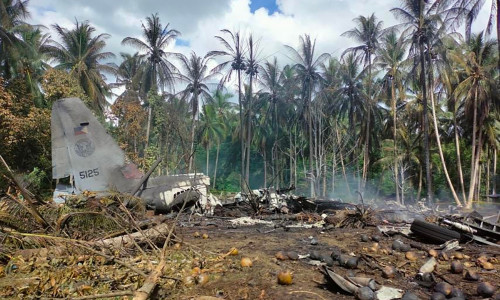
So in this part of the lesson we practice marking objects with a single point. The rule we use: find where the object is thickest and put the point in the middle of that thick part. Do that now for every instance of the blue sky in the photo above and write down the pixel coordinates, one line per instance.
(270, 5)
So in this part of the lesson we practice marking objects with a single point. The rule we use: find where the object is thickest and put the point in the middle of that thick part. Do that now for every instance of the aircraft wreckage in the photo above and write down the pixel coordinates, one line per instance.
(83, 151)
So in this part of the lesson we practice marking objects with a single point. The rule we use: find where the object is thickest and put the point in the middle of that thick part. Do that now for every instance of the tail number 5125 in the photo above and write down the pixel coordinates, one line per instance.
(89, 173)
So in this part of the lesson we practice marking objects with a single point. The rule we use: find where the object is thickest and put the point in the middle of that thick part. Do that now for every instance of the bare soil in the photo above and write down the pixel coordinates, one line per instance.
(260, 243)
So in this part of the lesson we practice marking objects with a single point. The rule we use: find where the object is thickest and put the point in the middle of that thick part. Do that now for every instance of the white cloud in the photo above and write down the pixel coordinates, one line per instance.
(200, 21)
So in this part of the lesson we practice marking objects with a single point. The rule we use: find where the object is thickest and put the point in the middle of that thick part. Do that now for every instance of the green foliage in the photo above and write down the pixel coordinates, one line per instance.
(57, 84)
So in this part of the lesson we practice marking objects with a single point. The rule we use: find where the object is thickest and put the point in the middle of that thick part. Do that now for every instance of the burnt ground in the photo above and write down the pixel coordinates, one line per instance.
(260, 243)
(200, 266)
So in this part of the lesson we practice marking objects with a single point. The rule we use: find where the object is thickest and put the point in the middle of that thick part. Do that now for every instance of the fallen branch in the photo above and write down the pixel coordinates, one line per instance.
(108, 295)
(147, 288)
(139, 237)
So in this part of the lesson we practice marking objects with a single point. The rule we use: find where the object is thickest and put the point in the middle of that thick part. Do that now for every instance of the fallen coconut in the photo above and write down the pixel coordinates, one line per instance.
(433, 253)
(471, 275)
(389, 272)
(457, 293)
(315, 255)
(443, 288)
(410, 296)
(365, 293)
(485, 289)
(411, 256)
(202, 279)
(487, 266)
(246, 262)
(285, 277)
(437, 296)
(456, 267)
(281, 255)
(364, 238)
(335, 255)
(292, 255)
(326, 259)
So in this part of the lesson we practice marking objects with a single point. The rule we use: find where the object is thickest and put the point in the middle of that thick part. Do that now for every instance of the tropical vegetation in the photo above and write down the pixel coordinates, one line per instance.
(410, 112)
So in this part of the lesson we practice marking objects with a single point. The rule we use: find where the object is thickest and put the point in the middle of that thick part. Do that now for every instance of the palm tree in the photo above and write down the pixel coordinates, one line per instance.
(478, 89)
(234, 52)
(420, 21)
(31, 63)
(367, 32)
(129, 72)
(270, 76)
(196, 76)
(470, 9)
(158, 71)
(12, 14)
(252, 69)
(222, 106)
(390, 59)
(307, 69)
(81, 55)
(211, 129)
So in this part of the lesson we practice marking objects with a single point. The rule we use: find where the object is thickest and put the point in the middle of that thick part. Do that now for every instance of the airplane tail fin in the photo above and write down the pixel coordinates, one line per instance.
(81, 147)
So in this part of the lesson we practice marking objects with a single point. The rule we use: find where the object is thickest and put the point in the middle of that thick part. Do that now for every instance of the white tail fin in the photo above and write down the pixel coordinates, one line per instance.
(81, 147)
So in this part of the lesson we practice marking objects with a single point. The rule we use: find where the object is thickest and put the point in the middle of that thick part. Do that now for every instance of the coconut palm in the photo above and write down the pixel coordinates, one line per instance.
(195, 74)
(390, 59)
(307, 68)
(420, 22)
(211, 130)
(12, 14)
(31, 63)
(222, 106)
(367, 32)
(252, 69)
(478, 88)
(129, 72)
(80, 53)
(234, 53)
(158, 70)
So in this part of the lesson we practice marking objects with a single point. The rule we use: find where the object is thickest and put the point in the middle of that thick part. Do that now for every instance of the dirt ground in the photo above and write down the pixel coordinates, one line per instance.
(228, 280)
(201, 265)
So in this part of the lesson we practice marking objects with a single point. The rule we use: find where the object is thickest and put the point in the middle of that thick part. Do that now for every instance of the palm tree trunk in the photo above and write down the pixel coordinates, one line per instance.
(208, 156)
(290, 161)
(342, 164)
(487, 171)
(242, 175)
(249, 133)
(295, 155)
(334, 165)
(420, 179)
(426, 125)
(148, 127)
(366, 158)
(459, 159)
(311, 146)
(438, 140)
(216, 164)
(265, 168)
(475, 149)
(394, 135)
(193, 127)
(494, 191)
